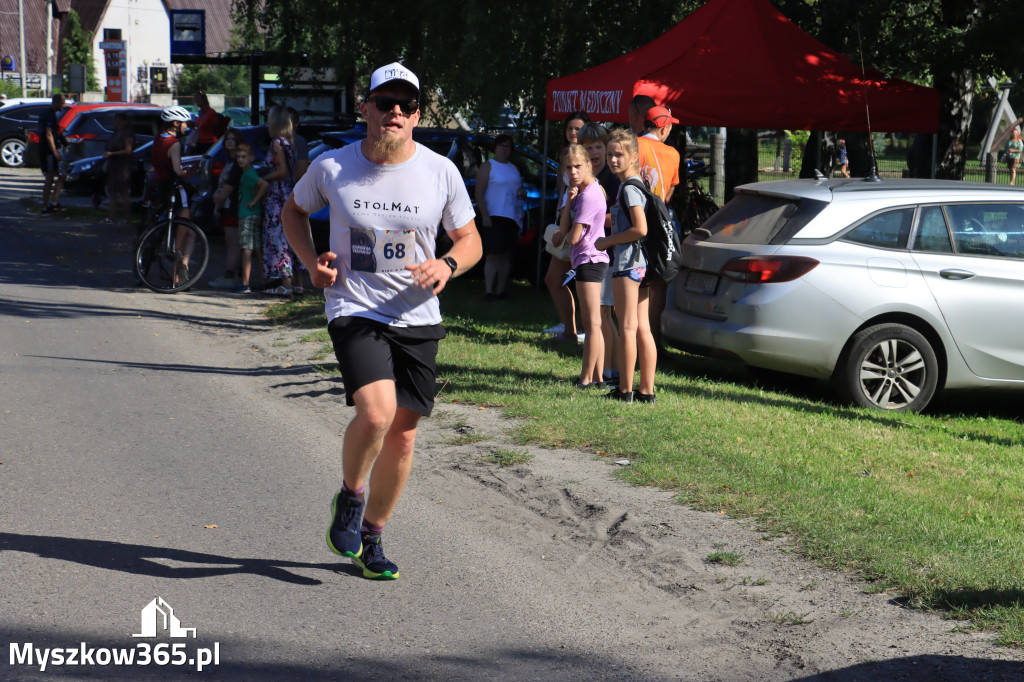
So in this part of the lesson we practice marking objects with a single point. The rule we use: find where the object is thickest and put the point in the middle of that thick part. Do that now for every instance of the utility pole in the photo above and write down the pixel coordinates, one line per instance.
(21, 36)
(49, 48)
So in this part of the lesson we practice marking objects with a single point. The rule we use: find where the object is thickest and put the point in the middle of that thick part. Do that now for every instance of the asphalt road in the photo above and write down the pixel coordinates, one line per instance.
(177, 448)
(146, 455)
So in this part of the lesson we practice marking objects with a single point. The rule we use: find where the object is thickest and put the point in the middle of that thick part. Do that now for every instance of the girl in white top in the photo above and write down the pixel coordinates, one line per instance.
(499, 194)
(629, 225)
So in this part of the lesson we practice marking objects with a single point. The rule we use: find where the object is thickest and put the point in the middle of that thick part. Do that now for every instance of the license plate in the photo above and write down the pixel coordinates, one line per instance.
(701, 282)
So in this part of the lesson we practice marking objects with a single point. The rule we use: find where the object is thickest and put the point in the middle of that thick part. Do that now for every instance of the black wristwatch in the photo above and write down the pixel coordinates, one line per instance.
(450, 262)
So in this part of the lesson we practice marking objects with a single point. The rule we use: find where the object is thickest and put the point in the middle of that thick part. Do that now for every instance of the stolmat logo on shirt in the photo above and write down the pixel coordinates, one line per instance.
(157, 619)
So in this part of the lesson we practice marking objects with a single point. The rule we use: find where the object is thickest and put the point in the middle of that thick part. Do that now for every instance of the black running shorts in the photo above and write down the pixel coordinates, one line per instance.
(591, 272)
(370, 351)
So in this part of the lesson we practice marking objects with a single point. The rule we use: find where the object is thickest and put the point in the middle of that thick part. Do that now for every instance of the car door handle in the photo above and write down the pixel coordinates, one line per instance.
(955, 274)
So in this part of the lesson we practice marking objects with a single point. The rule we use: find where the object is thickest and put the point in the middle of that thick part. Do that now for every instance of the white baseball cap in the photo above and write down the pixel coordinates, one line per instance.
(394, 72)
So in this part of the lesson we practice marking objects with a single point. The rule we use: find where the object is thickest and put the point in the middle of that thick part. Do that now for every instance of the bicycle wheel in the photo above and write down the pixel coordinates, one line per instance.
(160, 253)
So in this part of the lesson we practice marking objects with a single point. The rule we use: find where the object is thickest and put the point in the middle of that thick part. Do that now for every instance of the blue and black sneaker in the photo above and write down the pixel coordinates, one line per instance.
(375, 564)
(347, 516)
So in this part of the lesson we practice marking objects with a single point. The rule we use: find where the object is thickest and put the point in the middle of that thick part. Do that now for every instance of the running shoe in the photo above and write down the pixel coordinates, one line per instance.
(644, 397)
(343, 535)
(375, 564)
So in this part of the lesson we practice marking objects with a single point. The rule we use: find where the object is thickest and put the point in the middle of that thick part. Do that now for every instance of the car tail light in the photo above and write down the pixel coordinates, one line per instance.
(81, 137)
(768, 269)
(33, 137)
(218, 166)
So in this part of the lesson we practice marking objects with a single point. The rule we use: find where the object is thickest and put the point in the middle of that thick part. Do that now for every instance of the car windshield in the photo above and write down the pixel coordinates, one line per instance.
(760, 219)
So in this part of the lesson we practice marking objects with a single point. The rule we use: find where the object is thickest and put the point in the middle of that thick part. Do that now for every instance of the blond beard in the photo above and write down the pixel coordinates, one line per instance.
(388, 148)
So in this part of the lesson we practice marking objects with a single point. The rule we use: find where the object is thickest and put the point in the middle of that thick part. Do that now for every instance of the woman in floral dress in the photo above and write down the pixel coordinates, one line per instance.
(279, 262)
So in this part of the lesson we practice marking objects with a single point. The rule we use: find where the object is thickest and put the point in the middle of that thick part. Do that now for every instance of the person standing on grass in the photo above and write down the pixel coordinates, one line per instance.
(1014, 147)
(594, 138)
(659, 167)
(582, 223)
(499, 196)
(562, 296)
(629, 265)
(387, 196)
(50, 156)
(844, 159)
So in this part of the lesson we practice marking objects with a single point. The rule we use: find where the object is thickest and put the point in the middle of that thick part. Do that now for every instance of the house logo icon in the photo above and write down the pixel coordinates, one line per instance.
(158, 615)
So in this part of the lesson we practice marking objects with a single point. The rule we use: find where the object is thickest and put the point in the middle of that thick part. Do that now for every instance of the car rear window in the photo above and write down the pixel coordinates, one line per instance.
(760, 219)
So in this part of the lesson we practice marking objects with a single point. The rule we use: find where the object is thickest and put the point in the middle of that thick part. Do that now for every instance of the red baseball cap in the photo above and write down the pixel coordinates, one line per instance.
(660, 116)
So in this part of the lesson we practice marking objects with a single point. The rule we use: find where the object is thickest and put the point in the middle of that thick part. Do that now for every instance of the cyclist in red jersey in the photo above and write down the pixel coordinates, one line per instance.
(167, 154)
(167, 169)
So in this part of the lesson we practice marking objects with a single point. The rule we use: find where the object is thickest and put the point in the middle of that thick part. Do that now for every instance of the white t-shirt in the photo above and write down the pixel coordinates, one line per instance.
(502, 195)
(384, 217)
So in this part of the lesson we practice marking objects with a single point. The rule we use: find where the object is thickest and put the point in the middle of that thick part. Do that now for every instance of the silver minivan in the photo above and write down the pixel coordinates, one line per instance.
(894, 288)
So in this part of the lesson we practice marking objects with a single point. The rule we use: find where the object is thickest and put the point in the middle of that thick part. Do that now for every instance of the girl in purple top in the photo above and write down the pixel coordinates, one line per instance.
(582, 225)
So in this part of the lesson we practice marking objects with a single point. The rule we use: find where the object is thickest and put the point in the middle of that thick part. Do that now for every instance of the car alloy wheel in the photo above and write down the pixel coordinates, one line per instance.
(12, 153)
(889, 367)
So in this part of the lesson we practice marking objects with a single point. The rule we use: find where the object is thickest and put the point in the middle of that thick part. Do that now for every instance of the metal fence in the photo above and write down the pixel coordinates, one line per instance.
(778, 159)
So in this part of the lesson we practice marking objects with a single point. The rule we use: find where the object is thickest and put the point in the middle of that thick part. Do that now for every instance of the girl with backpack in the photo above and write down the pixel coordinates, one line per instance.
(582, 223)
(629, 265)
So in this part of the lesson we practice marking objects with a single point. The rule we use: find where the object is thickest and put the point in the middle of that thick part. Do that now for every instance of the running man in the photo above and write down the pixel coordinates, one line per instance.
(387, 196)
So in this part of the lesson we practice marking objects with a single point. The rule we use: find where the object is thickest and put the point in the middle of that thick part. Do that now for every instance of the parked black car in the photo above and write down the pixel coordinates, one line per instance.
(16, 121)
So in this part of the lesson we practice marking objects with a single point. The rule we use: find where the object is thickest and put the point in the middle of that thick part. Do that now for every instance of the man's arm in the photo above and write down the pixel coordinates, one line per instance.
(466, 251)
(296, 228)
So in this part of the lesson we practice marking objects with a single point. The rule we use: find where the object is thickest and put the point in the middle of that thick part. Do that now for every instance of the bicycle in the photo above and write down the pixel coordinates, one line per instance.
(159, 264)
(699, 205)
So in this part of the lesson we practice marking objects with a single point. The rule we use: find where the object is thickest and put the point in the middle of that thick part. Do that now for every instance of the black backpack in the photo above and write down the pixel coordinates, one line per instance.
(661, 246)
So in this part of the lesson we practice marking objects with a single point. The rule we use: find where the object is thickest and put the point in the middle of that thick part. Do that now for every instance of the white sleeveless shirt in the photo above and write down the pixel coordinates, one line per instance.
(502, 195)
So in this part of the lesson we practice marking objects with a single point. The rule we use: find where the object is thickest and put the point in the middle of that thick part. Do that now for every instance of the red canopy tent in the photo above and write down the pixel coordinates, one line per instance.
(743, 64)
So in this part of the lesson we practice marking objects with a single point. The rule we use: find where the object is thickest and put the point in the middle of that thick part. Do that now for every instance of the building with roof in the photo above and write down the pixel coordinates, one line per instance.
(143, 26)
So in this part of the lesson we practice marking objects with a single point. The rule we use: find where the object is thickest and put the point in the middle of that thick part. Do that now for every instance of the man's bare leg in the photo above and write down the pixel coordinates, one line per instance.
(392, 468)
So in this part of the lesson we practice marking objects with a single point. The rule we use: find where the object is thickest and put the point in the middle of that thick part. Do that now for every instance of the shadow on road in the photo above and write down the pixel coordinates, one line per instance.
(143, 560)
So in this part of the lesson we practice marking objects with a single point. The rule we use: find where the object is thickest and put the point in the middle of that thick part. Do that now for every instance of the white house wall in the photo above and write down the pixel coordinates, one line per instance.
(145, 26)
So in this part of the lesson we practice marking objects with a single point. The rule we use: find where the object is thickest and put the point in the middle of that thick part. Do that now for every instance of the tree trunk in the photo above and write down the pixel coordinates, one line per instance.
(957, 93)
(954, 77)
(740, 158)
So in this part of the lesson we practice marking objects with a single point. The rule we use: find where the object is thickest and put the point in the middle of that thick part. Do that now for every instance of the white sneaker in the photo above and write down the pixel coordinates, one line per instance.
(557, 329)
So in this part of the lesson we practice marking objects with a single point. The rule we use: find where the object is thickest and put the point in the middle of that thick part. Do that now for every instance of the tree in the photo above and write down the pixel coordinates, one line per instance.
(943, 43)
(473, 54)
(76, 48)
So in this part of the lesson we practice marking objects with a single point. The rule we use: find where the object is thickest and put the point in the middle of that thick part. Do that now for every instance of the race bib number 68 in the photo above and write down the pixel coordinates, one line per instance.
(382, 250)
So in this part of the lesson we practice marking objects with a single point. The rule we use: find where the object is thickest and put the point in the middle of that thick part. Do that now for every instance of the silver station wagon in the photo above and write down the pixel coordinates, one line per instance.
(894, 289)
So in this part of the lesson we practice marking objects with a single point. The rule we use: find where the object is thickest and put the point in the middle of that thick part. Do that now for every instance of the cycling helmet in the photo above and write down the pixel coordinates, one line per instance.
(175, 113)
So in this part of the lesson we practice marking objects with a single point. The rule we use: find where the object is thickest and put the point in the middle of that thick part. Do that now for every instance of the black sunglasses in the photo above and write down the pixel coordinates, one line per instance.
(407, 106)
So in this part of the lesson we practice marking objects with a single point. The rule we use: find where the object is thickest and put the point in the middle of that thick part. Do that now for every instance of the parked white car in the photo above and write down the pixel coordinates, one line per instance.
(893, 288)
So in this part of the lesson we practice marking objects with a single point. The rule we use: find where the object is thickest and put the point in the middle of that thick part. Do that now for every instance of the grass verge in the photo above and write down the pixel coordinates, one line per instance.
(925, 505)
